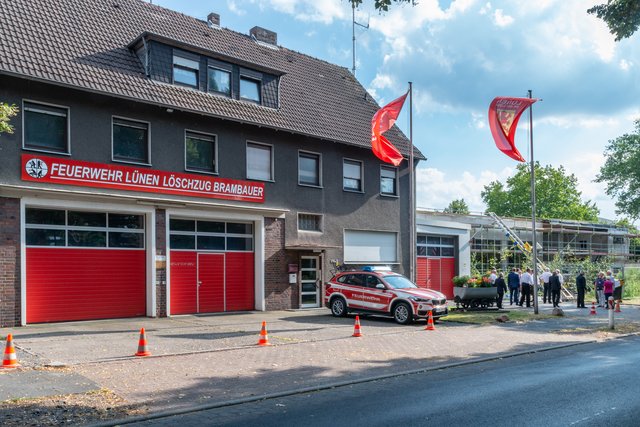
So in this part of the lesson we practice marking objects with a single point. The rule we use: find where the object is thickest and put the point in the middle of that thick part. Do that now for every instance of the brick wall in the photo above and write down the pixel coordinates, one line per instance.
(161, 266)
(9, 262)
(279, 294)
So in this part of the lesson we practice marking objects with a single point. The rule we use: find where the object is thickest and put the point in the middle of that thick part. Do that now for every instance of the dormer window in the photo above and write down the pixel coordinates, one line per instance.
(249, 89)
(219, 81)
(185, 71)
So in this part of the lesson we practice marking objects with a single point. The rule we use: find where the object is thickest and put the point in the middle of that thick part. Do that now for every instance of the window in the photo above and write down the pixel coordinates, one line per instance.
(210, 235)
(219, 81)
(185, 71)
(57, 227)
(46, 127)
(309, 222)
(309, 169)
(435, 246)
(388, 178)
(249, 89)
(259, 164)
(130, 141)
(200, 152)
(352, 175)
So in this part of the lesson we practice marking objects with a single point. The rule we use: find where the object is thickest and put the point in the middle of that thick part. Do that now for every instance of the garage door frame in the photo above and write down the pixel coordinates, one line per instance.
(226, 216)
(150, 241)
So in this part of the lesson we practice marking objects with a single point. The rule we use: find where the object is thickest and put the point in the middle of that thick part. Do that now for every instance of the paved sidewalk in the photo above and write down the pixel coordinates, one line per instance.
(213, 359)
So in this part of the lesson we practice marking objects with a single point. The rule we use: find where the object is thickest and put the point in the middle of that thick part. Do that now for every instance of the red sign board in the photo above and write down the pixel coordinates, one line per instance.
(88, 174)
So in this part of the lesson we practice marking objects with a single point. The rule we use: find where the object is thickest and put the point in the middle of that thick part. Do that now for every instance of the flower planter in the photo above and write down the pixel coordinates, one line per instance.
(475, 297)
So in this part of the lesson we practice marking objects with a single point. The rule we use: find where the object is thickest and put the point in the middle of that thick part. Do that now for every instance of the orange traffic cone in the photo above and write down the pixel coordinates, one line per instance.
(618, 307)
(356, 328)
(430, 325)
(142, 345)
(593, 308)
(264, 338)
(10, 360)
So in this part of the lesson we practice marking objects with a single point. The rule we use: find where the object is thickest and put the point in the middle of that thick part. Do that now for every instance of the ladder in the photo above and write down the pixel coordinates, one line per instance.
(526, 249)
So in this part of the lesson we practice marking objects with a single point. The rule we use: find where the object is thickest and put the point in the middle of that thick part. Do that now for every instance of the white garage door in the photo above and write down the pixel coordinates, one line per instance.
(370, 247)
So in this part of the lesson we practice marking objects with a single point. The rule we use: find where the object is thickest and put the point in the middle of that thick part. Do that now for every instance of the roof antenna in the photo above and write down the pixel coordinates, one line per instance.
(353, 32)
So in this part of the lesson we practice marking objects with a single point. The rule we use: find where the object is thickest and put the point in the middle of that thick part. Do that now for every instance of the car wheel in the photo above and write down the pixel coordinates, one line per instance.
(402, 313)
(338, 307)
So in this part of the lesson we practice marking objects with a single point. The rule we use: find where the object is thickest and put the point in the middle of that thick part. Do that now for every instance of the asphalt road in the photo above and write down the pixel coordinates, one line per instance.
(586, 385)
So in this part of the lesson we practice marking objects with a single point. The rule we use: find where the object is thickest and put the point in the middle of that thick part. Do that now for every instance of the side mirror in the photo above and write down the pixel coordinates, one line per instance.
(380, 286)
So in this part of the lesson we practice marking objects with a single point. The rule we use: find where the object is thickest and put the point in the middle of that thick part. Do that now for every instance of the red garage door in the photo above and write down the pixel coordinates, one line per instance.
(436, 264)
(436, 273)
(84, 265)
(211, 266)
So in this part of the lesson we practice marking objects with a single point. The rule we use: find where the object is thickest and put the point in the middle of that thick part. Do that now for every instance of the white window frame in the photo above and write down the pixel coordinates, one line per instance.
(319, 157)
(215, 92)
(321, 223)
(46, 104)
(395, 183)
(215, 152)
(132, 162)
(258, 81)
(361, 190)
(271, 150)
(184, 66)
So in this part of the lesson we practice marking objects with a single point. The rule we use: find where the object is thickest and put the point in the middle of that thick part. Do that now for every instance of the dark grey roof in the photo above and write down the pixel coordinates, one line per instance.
(85, 44)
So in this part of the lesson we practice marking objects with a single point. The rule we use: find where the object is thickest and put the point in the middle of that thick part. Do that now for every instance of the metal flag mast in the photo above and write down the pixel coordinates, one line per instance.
(533, 211)
(412, 193)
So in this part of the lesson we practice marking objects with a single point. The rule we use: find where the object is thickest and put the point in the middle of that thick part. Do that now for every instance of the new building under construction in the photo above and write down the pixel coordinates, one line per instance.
(484, 242)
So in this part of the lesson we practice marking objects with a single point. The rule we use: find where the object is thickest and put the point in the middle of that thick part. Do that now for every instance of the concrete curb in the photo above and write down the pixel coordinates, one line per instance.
(169, 413)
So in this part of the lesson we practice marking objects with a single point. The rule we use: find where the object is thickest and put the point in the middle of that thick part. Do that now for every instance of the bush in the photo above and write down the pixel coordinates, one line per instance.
(631, 286)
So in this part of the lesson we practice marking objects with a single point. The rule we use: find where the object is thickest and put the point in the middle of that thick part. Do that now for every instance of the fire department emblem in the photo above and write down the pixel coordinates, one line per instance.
(36, 168)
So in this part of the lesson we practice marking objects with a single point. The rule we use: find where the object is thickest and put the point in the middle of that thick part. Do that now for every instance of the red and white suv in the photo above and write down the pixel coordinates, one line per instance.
(382, 292)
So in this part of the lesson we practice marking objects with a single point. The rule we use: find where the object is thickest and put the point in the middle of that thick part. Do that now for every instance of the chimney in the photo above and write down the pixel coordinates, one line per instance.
(263, 35)
(213, 20)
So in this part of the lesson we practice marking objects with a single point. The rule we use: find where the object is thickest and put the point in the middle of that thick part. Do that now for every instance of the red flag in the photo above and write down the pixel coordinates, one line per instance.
(382, 121)
(504, 114)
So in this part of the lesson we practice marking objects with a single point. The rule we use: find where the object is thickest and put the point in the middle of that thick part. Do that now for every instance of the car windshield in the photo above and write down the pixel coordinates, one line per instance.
(399, 282)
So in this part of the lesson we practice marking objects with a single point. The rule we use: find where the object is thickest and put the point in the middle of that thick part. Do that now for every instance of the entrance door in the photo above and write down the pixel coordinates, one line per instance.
(310, 283)
(210, 295)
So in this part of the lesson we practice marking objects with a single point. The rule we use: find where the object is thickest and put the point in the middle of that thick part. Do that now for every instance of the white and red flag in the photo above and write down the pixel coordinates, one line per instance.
(504, 114)
(382, 121)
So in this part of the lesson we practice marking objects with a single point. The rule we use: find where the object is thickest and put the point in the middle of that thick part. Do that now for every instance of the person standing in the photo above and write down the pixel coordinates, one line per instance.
(617, 290)
(544, 277)
(493, 276)
(502, 288)
(554, 284)
(581, 286)
(608, 289)
(599, 285)
(513, 281)
(525, 288)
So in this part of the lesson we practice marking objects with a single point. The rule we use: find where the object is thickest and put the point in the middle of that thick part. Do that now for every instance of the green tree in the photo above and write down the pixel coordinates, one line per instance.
(622, 16)
(6, 113)
(621, 174)
(458, 206)
(557, 195)
(383, 5)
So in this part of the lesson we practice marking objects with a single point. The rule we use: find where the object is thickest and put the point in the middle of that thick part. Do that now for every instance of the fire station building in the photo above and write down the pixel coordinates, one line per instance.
(164, 165)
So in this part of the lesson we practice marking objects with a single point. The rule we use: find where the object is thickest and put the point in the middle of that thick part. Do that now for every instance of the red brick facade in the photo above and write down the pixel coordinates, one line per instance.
(9, 262)
(161, 266)
(279, 294)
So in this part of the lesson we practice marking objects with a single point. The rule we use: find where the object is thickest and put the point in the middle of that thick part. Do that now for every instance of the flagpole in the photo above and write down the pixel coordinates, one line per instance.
(412, 193)
(533, 211)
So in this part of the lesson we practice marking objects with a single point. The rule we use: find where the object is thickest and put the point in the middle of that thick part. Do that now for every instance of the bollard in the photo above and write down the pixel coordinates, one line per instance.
(610, 311)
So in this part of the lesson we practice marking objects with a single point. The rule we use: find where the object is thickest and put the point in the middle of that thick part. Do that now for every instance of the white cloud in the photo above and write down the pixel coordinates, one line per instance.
(625, 65)
(436, 189)
(313, 11)
(234, 8)
(502, 20)
(569, 121)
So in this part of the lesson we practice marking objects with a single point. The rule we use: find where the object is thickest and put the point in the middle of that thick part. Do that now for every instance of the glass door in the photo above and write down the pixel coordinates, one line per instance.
(310, 283)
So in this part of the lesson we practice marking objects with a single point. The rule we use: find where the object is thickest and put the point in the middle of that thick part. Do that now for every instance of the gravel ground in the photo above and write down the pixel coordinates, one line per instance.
(72, 409)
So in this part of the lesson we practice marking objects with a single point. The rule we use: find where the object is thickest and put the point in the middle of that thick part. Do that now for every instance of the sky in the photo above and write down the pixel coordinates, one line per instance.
(459, 55)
